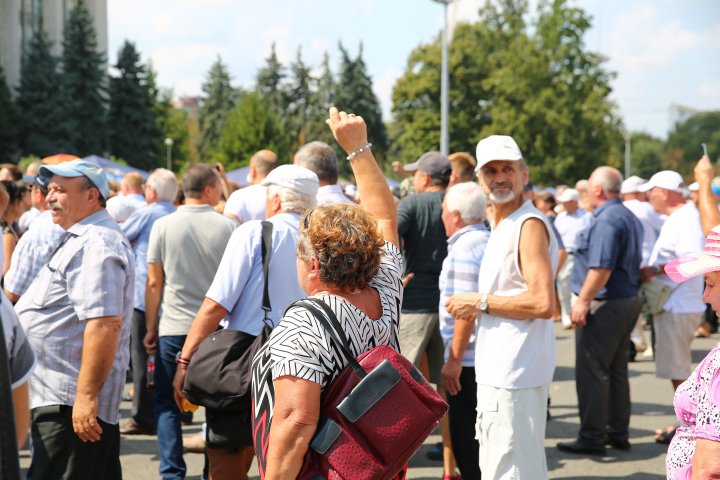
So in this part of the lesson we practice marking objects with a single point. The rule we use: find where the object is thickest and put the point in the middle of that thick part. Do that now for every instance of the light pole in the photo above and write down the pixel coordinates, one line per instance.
(444, 135)
(169, 144)
(627, 154)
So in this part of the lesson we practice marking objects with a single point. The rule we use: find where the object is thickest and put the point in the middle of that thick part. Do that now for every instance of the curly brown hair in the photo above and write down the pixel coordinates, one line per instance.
(346, 241)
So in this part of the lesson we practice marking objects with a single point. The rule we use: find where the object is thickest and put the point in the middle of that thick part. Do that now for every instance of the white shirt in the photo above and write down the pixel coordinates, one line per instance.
(681, 236)
(330, 195)
(652, 222)
(512, 353)
(247, 203)
(569, 225)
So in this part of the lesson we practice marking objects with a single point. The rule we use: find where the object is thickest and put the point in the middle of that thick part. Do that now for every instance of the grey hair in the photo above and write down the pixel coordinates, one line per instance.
(291, 201)
(320, 158)
(165, 184)
(608, 178)
(468, 200)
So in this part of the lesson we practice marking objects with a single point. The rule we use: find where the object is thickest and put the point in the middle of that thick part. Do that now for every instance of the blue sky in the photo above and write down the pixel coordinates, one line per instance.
(663, 51)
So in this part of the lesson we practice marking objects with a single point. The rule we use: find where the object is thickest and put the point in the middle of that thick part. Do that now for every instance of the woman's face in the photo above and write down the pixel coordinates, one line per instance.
(302, 273)
(711, 294)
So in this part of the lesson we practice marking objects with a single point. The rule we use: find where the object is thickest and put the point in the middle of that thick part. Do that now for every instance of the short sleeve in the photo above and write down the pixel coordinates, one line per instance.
(96, 280)
(405, 215)
(299, 347)
(241, 253)
(154, 251)
(603, 247)
(20, 354)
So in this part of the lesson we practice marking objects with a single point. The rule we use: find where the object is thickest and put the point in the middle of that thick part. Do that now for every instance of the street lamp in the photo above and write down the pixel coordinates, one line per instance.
(169, 144)
(444, 148)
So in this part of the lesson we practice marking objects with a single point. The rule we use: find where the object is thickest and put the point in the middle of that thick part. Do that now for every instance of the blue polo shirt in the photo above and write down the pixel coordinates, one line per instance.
(613, 240)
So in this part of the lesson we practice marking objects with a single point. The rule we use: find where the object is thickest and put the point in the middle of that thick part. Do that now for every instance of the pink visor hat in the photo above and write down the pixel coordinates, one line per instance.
(682, 269)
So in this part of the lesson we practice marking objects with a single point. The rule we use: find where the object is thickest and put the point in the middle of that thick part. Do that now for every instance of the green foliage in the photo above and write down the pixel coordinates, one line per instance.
(41, 101)
(535, 82)
(84, 83)
(217, 103)
(354, 93)
(134, 133)
(25, 161)
(9, 115)
(250, 127)
(269, 82)
(684, 141)
(299, 107)
(646, 154)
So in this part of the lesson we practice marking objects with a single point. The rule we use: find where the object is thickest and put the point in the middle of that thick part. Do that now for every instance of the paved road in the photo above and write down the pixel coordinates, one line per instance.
(652, 408)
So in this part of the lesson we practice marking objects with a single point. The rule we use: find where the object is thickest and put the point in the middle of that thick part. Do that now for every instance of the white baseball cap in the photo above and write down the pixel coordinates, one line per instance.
(681, 269)
(632, 185)
(496, 147)
(666, 179)
(293, 177)
(568, 195)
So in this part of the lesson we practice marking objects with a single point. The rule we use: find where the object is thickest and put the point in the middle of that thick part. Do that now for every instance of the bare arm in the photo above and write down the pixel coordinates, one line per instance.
(351, 133)
(462, 332)
(98, 353)
(206, 321)
(594, 282)
(706, 462)
(709, 214)
(153, 296)
(21, 408)
(295, 418)
(13, 298)
(538, 301)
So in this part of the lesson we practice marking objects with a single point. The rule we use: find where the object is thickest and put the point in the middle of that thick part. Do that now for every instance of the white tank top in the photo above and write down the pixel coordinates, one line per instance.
(513, 353)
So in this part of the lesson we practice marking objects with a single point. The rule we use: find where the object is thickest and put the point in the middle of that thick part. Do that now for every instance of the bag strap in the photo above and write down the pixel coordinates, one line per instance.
(265, 249)
(332, 326)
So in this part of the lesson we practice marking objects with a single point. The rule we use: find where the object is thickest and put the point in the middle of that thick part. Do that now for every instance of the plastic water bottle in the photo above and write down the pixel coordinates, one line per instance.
(150, 372)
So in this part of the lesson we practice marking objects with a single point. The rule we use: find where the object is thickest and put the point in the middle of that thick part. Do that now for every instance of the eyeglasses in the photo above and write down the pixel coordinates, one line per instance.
(306, 223)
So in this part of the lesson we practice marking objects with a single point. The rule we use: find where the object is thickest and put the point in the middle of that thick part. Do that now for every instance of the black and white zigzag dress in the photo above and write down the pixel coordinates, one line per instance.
(300, 347)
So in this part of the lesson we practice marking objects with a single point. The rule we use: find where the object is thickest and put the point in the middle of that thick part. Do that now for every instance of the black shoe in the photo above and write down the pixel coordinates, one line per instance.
(618, 444)
(578, 446)
(436, 452)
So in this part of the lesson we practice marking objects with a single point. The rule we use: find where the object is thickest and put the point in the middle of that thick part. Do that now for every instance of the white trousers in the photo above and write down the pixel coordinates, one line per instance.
(565, 290)
(511, 430)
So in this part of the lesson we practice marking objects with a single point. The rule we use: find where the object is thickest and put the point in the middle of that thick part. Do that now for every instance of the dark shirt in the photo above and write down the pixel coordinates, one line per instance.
(613, 240)
(424, 248)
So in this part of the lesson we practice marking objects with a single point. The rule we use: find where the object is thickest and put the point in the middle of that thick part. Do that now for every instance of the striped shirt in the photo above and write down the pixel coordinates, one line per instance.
(459, 274)
(90, 275)
(32, 252)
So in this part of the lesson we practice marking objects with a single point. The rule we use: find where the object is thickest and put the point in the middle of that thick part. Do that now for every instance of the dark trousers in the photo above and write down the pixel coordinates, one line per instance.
(59, 454)
(601, 370)
(461, 415)
(142, 404)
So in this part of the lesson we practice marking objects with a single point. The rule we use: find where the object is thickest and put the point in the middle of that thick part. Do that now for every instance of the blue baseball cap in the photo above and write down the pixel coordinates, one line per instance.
(79, 168)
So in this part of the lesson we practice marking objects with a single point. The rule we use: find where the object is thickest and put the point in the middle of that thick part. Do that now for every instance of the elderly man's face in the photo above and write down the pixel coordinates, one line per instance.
(503, 180)
(69, 200)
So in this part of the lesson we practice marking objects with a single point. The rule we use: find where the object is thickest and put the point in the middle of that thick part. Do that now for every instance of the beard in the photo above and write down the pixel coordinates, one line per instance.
(502, 197)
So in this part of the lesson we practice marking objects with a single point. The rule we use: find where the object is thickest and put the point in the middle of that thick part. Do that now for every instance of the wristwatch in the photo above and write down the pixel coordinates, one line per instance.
(484, 303)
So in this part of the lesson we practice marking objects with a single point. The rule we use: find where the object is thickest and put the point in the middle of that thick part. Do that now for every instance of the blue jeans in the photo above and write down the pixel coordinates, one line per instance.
(167, 414)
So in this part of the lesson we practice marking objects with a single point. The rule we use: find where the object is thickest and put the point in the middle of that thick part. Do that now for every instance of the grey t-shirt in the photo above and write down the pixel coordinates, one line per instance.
(20, 355)
(189, 243)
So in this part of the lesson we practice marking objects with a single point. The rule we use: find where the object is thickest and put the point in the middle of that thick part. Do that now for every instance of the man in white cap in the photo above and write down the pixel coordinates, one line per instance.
(237, 290)
(569, 222)
(515, 343)
(681, 236)
(77, 315)
(183, 254)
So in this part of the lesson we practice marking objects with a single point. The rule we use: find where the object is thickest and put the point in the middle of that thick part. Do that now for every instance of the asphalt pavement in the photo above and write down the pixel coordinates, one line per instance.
(652, 409)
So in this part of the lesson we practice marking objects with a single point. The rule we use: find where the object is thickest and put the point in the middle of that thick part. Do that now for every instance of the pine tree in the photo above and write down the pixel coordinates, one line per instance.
(217, 102)
(323, 97)
(355, 94)
(8, 122)
(134, 133)
(299, 102)
(84, 84)
(269, 83)
(41, 101)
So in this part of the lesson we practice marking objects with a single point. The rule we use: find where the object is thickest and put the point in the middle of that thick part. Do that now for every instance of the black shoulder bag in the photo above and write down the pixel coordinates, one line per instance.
(219, 376)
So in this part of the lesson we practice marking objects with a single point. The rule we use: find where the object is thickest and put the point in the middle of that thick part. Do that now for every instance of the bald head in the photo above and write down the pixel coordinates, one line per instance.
(262, 163)
(604, 184)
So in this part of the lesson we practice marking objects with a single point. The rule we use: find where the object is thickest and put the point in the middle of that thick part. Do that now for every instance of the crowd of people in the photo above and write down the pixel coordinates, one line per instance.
(463, 269)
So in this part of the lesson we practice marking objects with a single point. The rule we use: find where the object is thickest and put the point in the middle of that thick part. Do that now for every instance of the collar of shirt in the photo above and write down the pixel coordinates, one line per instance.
(468, 228)
(97, 218)
(195, 208)
(607, 204)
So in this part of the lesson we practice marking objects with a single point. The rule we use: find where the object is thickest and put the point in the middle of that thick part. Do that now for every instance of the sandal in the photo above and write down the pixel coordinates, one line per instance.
(665, 435)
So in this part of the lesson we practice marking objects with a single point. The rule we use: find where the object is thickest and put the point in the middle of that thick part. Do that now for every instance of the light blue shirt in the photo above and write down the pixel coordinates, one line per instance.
(569, 225)
(460, 274)
(238, 284)
(137, 229)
